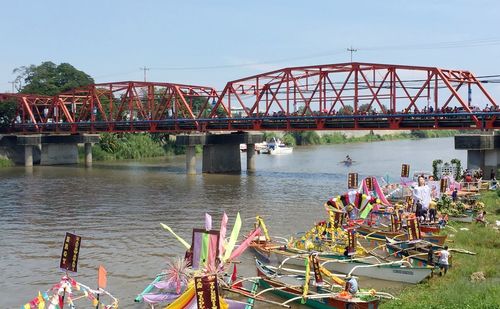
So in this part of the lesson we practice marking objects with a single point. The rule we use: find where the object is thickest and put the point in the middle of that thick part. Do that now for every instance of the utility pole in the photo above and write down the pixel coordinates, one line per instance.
(13, 84)
(145, 69)
(352, 50)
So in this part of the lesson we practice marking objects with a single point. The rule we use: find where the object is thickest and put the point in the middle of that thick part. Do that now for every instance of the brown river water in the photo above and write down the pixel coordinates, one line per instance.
(117, 206)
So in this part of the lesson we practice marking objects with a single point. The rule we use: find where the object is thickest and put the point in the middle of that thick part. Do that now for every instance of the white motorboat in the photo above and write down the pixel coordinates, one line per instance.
(277, 147)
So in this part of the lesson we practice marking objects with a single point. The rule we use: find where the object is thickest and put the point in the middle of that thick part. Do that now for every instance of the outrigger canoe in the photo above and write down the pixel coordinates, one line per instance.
(290, 287)
(369, 266)
(381, 235)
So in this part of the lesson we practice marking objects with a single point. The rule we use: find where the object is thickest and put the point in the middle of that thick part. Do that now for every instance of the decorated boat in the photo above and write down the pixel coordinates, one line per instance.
(200, 276)
(74, 294)
(377, 234)
(370, 266)
(314, 293)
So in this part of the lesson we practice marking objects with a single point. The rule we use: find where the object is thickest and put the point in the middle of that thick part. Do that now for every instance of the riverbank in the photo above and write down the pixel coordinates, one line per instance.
(457, 289)
(314, 138)
(5, 162)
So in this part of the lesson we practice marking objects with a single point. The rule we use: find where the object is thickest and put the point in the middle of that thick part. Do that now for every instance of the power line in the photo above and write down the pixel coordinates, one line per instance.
(352, 50)
(145, 69)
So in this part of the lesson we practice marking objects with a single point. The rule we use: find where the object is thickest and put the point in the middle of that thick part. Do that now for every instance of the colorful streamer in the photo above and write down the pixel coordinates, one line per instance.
(234, 236)
(182, 241)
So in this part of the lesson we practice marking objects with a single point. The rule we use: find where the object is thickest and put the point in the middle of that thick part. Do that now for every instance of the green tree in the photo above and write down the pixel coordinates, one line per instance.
(51, 79)
(7, 112)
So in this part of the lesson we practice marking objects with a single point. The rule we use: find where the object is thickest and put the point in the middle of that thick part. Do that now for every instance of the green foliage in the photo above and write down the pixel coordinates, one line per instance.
(307, 138)
(7, 113)
(269, 135)
(50, 79)
(435, 164)
(137, 146)
(289, 139)
(458, 165)
(346, 110)
(4, 162)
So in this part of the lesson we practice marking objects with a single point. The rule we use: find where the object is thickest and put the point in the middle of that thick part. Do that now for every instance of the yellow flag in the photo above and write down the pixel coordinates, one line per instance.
(234, 236)
(264, 227)
(166, 227)
(306, 282)
(41, 301)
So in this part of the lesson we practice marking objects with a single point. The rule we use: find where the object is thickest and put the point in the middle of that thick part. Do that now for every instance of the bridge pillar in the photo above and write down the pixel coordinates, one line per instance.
(221, 152)
(191, 160)
(221, 158)
(251, 157)
(88, 140)
(28, 155)
(29, 141)
(483, 151)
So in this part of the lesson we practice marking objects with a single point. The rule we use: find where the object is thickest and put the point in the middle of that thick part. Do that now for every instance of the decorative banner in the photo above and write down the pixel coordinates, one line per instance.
(395, 222)
(69, 255)
(205, 248)
(207, 294)
(338, 218)
(413, 229)
(102, 277)
(352, 181)
(443, 185)
(405, 170)
(369, 183)
(351, 242)
(313, 259)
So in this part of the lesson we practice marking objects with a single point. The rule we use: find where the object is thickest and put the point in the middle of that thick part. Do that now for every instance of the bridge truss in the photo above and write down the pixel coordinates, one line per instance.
(347, 96)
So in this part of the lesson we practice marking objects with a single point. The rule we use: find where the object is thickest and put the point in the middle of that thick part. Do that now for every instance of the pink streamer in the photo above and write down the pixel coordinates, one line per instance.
(208, 222)
(223, 225)
(244, 245)
(379, 192)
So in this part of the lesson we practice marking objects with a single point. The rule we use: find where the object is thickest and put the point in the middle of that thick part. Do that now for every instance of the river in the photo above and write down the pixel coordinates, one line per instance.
(117, 206)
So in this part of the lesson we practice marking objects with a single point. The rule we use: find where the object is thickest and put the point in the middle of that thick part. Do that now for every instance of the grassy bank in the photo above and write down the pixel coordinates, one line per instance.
(134, 146)
(313, 138)
(4, 162)
(456, 289)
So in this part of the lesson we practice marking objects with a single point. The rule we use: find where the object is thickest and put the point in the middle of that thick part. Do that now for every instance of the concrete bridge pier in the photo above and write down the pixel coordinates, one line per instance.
(28, 142)
(88, 140)
(191, 160)
(47, 149)
(483, 151)
(251, 157)
(221, 152)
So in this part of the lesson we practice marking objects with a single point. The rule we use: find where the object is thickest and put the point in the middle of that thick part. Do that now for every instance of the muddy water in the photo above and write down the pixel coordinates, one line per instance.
(116, 207)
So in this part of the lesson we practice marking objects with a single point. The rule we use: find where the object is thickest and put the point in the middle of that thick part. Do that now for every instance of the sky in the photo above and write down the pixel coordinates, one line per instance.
(212, 42)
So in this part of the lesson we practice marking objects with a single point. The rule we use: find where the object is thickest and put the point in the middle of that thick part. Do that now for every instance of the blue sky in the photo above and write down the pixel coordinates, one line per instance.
(111, 40)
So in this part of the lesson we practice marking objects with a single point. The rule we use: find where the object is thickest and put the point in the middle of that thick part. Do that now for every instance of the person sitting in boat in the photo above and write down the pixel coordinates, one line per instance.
(348, 159)
(351, 285)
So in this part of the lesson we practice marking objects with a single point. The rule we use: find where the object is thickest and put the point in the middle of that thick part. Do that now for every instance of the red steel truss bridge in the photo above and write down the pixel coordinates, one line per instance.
(346, 96)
